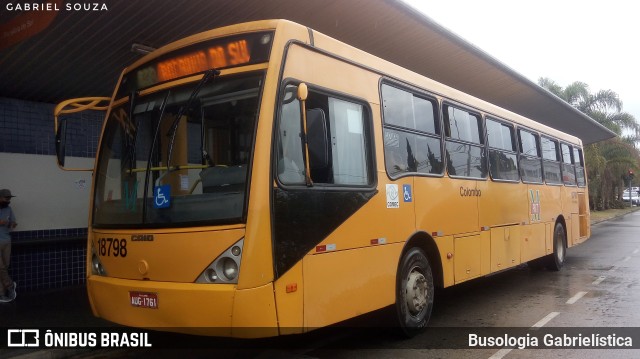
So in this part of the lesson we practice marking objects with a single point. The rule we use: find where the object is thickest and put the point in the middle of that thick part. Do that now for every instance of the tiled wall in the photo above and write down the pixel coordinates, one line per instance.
(27, 127)
(52, 257)
(48, 263)
(49, 234)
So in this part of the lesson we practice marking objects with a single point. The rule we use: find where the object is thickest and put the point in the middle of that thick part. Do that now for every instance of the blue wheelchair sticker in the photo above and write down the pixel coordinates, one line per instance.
(406, 191)
(162, 196)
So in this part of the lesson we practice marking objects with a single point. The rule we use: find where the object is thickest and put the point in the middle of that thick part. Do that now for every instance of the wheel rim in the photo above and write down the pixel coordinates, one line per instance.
(416, 292)
(560, 244)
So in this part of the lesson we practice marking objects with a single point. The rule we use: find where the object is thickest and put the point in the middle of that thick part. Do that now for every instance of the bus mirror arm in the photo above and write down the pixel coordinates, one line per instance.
(60, 123)
(303, 93)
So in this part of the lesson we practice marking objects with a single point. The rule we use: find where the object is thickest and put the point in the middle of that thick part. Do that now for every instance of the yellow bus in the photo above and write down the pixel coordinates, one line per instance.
(266, 176)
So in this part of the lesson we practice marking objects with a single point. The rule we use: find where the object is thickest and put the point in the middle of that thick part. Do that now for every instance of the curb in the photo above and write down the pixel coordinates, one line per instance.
(614, 217)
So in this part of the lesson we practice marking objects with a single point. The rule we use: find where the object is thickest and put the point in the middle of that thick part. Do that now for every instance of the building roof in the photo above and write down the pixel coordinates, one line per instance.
(81, 53)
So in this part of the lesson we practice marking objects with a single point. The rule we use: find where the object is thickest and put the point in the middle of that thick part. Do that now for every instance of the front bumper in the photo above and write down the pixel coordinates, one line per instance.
(202, 309)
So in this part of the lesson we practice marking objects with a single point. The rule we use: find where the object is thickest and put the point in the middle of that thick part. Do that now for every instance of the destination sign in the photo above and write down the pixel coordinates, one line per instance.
(232, 51)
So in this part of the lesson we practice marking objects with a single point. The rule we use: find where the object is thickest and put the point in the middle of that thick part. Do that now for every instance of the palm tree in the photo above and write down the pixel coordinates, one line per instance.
(606, 160)
(604, 106)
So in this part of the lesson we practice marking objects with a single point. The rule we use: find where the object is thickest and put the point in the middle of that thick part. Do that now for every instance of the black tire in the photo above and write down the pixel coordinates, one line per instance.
(555, 261)
(414, 292)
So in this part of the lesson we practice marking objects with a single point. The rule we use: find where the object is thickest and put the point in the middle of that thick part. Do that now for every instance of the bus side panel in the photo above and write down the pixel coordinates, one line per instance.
(353, 270)
(572, 212)
(548, 230)
(505, 247)
(550, 203)
(503, 207)
(502, 203)
(446, 206)
(344, 284)
(254, 313)
(290, 300)
(446, 247)
(533, 242)
(545, 208)
(468, 257)
(583, 216)
(575, 230)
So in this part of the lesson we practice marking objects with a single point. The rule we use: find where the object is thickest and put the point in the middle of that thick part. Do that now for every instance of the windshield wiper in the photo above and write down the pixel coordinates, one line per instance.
(208, 75)
(149, 159)
(206, 159)
(130, 130)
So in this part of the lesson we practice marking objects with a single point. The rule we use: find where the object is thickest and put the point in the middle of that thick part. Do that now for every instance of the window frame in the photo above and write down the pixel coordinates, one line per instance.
(522, 155)
(369, 143)
(580, 165)
(558, 160)
(571, 165)
(514, 145)
(446, 103)
(438, 122)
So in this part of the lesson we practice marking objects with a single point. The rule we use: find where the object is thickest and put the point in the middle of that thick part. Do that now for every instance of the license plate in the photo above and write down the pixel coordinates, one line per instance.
(144, 299)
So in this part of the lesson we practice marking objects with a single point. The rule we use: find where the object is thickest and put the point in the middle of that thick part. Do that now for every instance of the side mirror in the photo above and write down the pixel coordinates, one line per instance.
(303, 92)
(61, 136)
(61, 126)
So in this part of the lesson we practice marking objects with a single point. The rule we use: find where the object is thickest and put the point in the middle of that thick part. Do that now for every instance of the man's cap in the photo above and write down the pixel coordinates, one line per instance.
(5, 193)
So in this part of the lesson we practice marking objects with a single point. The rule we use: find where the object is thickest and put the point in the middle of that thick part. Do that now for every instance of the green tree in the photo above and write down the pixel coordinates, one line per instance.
(606, 161)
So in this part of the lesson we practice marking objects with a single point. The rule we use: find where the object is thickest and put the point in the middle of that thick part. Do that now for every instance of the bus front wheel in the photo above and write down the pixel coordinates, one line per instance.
(414, 292)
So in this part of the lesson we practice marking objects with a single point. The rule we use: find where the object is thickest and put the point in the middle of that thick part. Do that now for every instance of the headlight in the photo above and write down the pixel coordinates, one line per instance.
(225, 268)
(229, 268)
(96, 266)
(236, 251)
(211, 275)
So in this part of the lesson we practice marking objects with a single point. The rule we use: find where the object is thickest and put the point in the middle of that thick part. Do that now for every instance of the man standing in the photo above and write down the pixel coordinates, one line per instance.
(7, 223)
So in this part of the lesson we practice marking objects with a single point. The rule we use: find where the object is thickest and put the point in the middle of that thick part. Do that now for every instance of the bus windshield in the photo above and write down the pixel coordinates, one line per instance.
(155, 169)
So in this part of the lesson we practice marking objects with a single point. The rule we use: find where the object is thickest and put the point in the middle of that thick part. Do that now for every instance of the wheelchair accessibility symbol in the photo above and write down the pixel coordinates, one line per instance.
(162, 196)
(406, 190)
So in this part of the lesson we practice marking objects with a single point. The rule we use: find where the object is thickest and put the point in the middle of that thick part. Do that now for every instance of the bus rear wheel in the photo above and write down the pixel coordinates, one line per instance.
(555, 261)
(414, 292)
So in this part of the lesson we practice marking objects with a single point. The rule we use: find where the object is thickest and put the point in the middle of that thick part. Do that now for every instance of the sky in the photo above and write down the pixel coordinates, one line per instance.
(595, 42)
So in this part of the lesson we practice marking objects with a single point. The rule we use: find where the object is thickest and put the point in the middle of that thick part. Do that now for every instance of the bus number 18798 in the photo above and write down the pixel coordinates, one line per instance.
(112, 247)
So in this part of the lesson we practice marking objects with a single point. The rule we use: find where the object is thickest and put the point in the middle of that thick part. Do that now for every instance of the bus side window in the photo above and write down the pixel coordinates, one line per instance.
(530, 162)
(348, 150)
(503, 164)
(339, 152)
(577, 158)
(290, 168)
(551, 163)
(463, 146)
(568, 168)
(411, 133)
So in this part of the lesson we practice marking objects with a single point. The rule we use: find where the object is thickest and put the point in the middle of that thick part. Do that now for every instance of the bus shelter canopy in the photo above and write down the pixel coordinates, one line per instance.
(49, 56)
